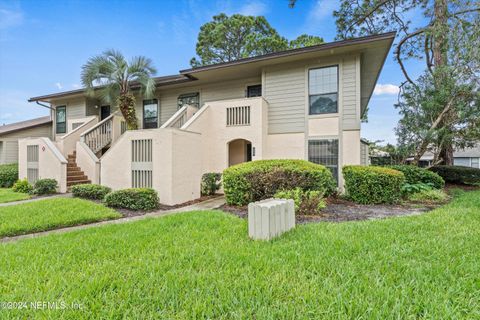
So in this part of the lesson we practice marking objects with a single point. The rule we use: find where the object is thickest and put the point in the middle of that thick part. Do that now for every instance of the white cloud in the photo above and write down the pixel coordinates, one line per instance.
(58, 85)
(10, 18)
(6, 116)
(386, 89)
(76, 86)
(323, 9)
(254, 9)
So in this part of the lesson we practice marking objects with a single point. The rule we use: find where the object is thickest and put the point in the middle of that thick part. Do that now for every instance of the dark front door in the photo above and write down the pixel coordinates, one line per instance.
(104, 112)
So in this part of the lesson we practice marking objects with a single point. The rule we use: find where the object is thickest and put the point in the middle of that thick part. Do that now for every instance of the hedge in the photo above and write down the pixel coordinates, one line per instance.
(458, 174)
(261, 179)
(371, 184)
(45, 186)
(90, 191)
(416, 175)
(133, 199)
(8, 175)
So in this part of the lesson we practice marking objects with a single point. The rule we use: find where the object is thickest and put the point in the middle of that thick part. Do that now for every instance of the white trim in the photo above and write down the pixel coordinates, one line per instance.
(54, 149)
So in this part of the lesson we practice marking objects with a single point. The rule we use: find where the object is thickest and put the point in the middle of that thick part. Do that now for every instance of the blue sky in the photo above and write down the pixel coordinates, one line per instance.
(43, 45)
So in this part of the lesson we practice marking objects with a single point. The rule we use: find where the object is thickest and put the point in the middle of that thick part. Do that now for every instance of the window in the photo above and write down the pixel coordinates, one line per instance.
(324, 152)
(323, 90)
(192, 99)
(464, 162)
(254, 91)
(61, 119)
(150, 114)
(475, 162)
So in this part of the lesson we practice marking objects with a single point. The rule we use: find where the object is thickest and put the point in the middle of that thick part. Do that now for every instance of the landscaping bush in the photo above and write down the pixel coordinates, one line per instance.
(45, 186)
(371, 184)
(22, 186)
(134, 199)
(432, 195)
(258, 180)
(416, 175)
(408, 189)
(457, 174)
(90, 191)
(8, 175)
(306, 202)
(211, 183)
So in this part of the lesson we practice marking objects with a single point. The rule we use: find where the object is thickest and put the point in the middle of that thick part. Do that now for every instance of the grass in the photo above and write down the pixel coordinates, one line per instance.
(202, 265)
(50, 214)
(429, 196)
(7, 195)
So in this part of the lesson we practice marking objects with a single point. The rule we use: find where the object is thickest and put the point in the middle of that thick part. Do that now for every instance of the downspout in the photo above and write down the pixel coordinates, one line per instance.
(44, 105)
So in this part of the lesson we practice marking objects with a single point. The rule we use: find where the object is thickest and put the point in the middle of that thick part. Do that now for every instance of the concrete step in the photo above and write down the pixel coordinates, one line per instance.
(72, 183)
(76, 178)
(75, 173)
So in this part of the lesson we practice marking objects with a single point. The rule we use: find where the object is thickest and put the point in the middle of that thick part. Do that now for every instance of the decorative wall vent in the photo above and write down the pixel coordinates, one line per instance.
(32, 163)
(142, 166)
(238, 116)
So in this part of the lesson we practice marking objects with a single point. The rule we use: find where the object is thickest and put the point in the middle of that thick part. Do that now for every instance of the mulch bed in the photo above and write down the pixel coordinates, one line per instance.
(341, 210)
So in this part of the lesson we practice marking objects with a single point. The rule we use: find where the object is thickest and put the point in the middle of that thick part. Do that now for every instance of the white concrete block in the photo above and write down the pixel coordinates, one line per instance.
(270, 218)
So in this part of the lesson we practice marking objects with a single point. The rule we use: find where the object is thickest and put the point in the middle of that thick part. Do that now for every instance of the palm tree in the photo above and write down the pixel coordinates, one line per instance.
(113, 76)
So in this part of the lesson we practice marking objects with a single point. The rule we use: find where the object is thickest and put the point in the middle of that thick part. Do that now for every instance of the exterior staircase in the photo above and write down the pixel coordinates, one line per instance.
(75, 175)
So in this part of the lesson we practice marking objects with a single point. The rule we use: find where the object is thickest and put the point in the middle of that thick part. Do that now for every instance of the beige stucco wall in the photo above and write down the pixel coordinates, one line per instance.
(88, 162)
(9, 141)
(285, 146)
(51, 163)
(323, 126)
(210, 121)
(351, 147)
(176, 160)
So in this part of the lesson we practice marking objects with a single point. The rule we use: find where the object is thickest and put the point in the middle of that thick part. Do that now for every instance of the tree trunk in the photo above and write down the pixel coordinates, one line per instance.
(446, 154)
(440, 59)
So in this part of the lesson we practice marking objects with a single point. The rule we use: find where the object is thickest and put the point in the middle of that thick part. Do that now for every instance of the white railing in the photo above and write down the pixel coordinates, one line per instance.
(180, 117)
(238, 116)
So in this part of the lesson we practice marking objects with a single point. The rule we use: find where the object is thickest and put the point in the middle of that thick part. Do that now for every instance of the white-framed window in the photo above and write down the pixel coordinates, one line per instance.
(475, 162)
(324, 152)
(150, 114)
(323, 90)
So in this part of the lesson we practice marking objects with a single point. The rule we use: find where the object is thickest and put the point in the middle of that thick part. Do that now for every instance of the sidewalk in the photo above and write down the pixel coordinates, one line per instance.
(205, 205)
(12, 203)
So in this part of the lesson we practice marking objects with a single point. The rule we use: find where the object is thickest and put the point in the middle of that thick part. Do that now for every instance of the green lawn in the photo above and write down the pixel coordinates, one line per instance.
(202, 265)
(7, 195)
(50, 214)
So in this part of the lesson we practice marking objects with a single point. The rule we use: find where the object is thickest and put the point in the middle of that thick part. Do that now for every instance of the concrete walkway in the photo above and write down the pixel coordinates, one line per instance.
(12, 203)
(205, 205)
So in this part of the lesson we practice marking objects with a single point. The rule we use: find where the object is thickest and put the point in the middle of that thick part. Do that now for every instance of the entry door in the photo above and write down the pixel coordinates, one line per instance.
(104, 112)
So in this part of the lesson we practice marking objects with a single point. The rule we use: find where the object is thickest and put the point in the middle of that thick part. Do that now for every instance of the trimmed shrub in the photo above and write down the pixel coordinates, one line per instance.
(371, 184)
(458, 174)
(261, 179)
(429, 196)
(133, 199)
(45, 186)
(306, 202)
(90, 191)
(416, 175)
(211, 183)
(22, 186)
(8, 175)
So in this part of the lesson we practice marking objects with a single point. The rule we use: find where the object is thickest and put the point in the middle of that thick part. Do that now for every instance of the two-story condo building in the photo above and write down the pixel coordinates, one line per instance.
(298, 104)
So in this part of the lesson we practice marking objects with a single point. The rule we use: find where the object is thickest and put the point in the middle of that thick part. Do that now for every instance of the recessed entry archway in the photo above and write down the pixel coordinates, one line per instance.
(239, 151)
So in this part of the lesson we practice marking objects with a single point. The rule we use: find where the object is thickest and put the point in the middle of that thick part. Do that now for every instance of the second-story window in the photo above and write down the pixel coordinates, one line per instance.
(61, 119)
(323, 90)
(254, 91)
(150, 114)
(192, 99)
